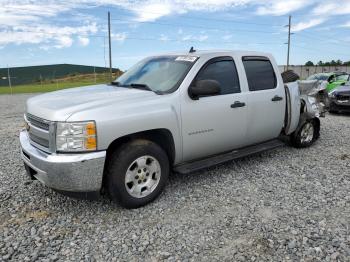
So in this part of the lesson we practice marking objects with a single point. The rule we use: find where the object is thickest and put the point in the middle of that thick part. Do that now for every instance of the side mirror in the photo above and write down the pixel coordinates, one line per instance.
(204, 88)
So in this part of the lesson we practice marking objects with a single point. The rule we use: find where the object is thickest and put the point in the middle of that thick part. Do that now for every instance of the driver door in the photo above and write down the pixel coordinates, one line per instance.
(218, 123)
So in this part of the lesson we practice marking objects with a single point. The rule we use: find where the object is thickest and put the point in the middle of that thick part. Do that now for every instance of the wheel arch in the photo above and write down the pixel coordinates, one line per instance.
(161, 136)
(303, 106)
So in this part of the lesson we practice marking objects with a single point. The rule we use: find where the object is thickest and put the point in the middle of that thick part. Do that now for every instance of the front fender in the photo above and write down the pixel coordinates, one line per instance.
(115, 121)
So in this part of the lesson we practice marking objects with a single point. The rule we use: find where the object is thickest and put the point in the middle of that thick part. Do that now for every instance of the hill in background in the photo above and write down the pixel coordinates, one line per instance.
(45, 73)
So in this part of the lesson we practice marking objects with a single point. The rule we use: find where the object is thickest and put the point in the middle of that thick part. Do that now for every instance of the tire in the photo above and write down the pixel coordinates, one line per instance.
(306, 135)
(289, 76)
(137, 173)
(331, 109)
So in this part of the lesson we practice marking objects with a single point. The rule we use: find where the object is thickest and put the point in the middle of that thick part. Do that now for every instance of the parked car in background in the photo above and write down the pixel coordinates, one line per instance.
(334, 79)
(340, 99)
(320, 77)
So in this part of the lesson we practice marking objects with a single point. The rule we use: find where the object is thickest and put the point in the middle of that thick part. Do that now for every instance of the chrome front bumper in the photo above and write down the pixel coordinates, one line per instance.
(64, 172)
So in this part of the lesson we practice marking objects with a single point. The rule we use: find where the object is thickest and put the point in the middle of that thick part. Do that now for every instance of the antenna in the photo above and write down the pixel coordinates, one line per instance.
(192, 50)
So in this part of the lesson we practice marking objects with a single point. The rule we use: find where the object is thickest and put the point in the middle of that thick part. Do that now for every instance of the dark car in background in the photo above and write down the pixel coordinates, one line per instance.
(340, 99)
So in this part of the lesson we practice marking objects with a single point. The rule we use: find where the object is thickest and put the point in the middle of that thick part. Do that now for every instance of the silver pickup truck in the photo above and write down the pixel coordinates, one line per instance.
(176, 112)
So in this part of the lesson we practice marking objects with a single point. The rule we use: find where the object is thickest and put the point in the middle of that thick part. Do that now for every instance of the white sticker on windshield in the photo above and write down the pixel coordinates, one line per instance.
(186, 58)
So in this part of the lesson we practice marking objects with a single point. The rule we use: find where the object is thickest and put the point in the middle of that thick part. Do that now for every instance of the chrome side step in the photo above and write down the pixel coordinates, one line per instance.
(225, 157)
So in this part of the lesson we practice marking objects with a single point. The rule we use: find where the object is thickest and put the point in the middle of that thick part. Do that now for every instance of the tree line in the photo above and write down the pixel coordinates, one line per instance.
(331, 63)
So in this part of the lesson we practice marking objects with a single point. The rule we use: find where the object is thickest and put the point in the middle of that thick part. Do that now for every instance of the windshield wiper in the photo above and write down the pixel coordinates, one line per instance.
(135, 85)
(115, 83)
(141, 86)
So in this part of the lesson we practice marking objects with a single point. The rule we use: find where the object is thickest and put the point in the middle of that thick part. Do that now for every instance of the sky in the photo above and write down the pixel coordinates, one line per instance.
(37, 32)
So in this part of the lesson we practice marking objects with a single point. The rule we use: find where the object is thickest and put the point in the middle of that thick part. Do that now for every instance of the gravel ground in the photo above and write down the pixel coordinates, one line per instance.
(285, 204)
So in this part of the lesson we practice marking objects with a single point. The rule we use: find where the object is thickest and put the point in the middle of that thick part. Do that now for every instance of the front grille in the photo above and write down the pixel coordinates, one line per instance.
(39, 133)
(38, 122)
(340, 107)
(39, 140)
(342, 97)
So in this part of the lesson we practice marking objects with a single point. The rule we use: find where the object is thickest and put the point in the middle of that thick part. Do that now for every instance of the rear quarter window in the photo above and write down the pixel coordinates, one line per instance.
(260, 73)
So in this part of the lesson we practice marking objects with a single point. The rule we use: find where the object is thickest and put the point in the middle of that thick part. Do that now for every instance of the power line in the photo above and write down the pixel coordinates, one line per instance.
(229, 21)
(193, 26)
(301, 34)
(207, 19)
(314, 37)
(319, 50)
(199, 41)
(307, 16)
(58, 34)
(152, 39)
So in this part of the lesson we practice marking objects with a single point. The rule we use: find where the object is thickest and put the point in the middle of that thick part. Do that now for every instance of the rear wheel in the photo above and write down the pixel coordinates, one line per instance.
(137, 173)
(306, 135)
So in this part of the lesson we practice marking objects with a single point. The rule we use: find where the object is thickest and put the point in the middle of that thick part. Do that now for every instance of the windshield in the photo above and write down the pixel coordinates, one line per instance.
(159, 74)
(323, 77)
(342, 78)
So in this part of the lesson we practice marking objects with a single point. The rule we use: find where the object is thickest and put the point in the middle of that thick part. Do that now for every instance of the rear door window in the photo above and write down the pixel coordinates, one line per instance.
(260, 73)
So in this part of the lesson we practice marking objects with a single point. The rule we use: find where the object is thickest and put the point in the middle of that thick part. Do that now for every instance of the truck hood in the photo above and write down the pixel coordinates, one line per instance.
(60, 105)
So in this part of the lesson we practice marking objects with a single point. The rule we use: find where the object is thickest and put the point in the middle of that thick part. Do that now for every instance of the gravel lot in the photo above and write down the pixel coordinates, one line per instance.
(285, 204)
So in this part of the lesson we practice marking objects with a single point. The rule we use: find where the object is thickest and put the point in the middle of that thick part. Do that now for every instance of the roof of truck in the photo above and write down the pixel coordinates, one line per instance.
(203, 53)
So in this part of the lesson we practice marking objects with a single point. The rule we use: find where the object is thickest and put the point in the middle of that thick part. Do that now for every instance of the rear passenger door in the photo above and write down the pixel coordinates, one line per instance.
(266, 100)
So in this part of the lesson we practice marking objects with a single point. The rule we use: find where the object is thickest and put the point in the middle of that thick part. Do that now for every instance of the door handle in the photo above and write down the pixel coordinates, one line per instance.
(277, 98)
(237, 104)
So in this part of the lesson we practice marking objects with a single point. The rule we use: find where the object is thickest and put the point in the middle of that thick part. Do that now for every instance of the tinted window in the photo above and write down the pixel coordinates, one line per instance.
(224, 72)
(260, 74)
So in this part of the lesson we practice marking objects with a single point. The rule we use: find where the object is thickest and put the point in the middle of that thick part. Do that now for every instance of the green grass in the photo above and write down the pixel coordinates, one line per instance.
(38, 88)
(76, 81)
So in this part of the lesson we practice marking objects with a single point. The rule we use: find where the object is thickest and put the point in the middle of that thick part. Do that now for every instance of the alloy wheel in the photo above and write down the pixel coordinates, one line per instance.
(142, 176)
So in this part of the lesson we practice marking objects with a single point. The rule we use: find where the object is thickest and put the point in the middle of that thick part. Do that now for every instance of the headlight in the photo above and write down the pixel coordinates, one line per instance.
(76, 136)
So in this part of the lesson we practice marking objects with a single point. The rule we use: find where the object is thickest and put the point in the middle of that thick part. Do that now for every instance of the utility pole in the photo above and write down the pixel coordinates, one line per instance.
(54, 78)
(110, 47)
(9, 78)
(41, 81)
(289, 27)
(95, 74)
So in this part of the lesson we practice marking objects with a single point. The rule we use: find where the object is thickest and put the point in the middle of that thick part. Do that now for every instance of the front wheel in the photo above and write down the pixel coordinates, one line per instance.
(137, 173)
(307, 134)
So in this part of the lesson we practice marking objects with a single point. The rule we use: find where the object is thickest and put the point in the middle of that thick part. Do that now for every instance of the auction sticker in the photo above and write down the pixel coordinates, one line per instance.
(186, 58)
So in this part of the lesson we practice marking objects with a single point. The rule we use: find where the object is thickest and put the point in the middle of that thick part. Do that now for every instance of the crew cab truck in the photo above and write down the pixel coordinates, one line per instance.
(175, 112)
